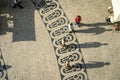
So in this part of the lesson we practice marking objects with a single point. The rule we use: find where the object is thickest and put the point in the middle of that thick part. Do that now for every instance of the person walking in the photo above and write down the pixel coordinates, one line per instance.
(70, 27)
(67, 65)
(15, 3)
(63, 42)
(12, 2)
(78, 20)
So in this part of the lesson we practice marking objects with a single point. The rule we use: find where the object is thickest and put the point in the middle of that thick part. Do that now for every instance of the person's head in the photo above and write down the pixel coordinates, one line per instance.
(71, 23)
(79, 16)
(110, 9)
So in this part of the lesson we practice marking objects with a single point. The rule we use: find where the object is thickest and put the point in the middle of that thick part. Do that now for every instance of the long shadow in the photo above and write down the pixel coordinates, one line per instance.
(94, 28)
(4, 67)
(91, 65)
(94, 64)
(18, 21)
(84, 45)
(95, 24)
(92, 44)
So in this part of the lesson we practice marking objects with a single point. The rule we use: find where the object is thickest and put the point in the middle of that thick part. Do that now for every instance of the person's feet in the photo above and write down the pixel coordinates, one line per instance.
(13, 5)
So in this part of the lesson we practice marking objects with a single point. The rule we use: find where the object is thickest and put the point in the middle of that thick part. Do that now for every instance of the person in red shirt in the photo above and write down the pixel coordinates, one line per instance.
(78, 20)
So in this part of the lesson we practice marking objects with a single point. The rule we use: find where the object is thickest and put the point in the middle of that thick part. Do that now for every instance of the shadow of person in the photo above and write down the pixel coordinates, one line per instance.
(5, 67)
(94, 30)
(84, 45)
(92, 44)
(95, 24)
(94, 64)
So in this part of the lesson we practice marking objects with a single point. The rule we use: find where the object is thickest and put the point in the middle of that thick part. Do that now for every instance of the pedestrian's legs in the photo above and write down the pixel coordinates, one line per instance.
(12, 2)
(78, 23)
(63, 42)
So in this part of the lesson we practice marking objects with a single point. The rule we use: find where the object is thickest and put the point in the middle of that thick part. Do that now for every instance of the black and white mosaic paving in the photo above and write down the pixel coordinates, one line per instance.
(3, 71)
(56, 23)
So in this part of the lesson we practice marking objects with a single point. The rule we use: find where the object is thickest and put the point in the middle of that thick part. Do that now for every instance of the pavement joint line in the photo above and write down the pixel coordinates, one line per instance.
(56, 21)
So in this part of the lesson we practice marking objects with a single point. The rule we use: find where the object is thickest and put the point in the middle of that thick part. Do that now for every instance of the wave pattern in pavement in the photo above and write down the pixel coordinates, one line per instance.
(56, 23)
(3, 71)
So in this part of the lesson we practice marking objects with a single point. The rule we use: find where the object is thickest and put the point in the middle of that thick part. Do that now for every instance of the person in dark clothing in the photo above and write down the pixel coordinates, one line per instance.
(15, 3)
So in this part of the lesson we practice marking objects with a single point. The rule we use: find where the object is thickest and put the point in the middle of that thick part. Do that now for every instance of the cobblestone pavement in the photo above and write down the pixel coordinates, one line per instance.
(99, 42)
(30, 41)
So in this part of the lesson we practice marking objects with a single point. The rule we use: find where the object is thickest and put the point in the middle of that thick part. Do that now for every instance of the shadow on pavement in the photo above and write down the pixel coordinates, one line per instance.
(84, 45)
(94, 28)
(94, 64)
(95, 24)
(92, 44)
(21, 22)
(5, 67)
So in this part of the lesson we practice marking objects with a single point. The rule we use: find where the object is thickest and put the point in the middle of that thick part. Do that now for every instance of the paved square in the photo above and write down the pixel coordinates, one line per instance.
(30, 42)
